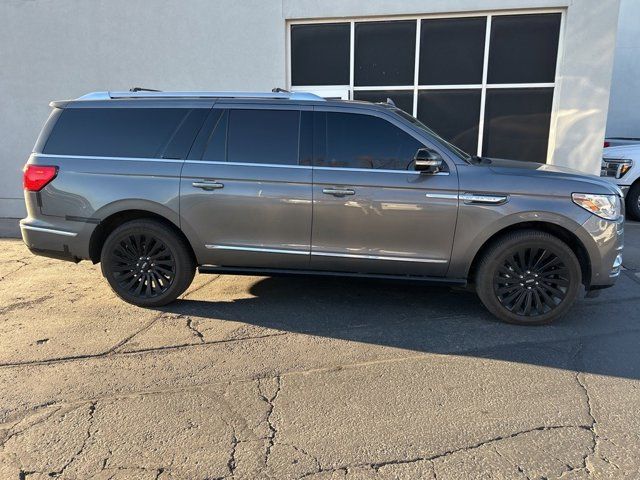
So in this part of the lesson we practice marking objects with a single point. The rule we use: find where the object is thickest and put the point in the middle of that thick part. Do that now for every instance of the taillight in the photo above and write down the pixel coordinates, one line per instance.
(607, 144)
(36, 177)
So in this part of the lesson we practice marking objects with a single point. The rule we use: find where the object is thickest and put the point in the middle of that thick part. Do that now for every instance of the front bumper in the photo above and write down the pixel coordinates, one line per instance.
(604, 241)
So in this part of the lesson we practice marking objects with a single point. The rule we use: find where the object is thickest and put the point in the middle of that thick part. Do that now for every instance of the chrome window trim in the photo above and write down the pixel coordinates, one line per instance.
(381, 170)
(49, 230)
(247, 164)
(95, 157)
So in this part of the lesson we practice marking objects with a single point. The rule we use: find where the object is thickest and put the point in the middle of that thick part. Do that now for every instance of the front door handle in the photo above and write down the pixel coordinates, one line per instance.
(208, 185)
(338, 192)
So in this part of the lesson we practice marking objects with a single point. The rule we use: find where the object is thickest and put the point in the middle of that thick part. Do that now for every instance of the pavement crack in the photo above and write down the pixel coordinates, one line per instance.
(231, 464)
(270, 400)
(592, 427)
(195, 331)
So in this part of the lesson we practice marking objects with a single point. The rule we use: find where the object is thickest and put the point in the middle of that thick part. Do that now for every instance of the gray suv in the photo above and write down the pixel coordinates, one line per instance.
(156, 184)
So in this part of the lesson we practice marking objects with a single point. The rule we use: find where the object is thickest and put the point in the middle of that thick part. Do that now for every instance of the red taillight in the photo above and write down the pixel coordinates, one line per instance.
(36, 177)
(607, 144)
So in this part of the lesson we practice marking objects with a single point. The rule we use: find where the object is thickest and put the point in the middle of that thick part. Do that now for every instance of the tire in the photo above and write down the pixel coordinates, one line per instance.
(146, 263)
(528, 278)
(632, 202)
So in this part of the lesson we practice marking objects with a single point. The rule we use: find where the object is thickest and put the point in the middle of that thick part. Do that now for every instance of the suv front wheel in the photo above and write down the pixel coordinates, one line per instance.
(146, 263)
(528, 278)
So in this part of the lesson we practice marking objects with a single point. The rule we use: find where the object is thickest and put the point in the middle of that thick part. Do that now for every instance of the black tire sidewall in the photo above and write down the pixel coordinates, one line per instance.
(495, 257)
(632, 207)
(184, 264)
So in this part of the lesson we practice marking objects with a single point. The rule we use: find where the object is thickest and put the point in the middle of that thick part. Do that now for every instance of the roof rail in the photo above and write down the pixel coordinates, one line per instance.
(151, 94)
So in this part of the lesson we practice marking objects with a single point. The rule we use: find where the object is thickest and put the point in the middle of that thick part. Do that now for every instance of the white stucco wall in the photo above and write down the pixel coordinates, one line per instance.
(56, 49)
(624, 106)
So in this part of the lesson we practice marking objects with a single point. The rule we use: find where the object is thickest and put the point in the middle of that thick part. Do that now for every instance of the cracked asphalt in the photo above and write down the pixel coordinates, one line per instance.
(288, 378)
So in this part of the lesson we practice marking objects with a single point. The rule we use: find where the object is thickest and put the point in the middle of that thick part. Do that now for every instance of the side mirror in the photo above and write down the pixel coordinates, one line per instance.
(427, 161)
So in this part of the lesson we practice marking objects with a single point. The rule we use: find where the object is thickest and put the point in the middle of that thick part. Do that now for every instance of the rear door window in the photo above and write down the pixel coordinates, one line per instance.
(350, 140)
(263, 136)
(123, 132)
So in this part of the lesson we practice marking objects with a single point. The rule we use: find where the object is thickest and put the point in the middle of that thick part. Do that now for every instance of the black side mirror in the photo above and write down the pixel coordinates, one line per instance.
(427, 161)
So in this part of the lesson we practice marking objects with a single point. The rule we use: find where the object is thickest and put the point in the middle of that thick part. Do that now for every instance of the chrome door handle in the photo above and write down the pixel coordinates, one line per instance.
(208, 185)
(338, 192)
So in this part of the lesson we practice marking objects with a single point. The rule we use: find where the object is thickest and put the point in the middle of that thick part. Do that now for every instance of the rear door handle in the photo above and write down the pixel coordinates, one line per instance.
(208, 185)
(338, 192)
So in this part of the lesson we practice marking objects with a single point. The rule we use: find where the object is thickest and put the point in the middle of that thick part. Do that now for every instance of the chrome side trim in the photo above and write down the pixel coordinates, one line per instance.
(322, 254)
(443, 196)
(49, 230)
(480, 198)
(257, 249)
(378, 257)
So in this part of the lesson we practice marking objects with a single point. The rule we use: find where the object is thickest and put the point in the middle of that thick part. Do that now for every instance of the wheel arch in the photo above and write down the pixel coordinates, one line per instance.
(554, 229)
(111, 222)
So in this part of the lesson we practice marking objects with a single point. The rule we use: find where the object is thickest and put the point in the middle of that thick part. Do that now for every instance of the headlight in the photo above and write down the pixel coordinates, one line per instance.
(605, 206)
(615, 167)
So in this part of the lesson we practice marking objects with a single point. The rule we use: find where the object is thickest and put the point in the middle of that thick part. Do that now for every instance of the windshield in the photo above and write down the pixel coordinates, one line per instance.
(460, 153)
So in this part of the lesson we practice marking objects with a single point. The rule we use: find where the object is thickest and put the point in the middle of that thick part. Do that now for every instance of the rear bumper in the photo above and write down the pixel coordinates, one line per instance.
(64, 240)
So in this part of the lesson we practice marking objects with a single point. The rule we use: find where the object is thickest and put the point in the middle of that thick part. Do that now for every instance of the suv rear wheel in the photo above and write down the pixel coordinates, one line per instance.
(528, 278)
(146, 263)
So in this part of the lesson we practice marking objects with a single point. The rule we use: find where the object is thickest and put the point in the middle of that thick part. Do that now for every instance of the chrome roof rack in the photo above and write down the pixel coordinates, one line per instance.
(279, 95)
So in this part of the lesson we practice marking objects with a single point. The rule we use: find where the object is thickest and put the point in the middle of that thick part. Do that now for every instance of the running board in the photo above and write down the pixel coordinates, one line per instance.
(280, 272)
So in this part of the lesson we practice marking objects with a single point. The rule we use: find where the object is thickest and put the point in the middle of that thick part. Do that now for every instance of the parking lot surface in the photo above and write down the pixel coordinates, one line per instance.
(255, 377)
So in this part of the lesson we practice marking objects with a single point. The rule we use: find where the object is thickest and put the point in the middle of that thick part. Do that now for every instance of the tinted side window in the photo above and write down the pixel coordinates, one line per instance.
(263, 136)
(364, 141)
(114, 132)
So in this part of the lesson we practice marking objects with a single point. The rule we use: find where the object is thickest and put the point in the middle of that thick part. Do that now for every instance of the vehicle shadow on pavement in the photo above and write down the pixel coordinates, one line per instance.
(599, 335)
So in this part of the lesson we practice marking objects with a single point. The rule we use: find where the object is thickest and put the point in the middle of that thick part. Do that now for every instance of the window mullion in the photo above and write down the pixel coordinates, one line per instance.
(483, 93)
(416, 72)
(352, 50)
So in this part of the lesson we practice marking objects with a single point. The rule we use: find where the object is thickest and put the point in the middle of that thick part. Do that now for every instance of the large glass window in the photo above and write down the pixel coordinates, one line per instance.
(364, 141)
(452, 51)
(474, 74)
(263, 136)
(452, 114)
(117, 132)
(320, 54)
(377, 58)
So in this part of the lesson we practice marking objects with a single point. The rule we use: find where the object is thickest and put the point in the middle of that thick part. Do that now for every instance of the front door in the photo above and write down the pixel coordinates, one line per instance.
(372, 212)
(246, 196)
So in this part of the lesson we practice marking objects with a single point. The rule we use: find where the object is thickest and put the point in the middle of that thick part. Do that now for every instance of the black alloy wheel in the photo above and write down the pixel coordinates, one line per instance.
(143, 265)
(147, 262)
(531, 281)
(528, 277)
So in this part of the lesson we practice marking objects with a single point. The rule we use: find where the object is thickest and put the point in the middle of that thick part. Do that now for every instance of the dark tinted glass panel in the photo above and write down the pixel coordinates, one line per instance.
(320, 54)
(184, 136)
(306, 138)
(453, 114)
(363, 141)
(385, 53)
(402, 99)
(202, 139)
(216, 149)
(263, 136)
(523, 48)
(516, 123)
(114, 132)
(452, 51)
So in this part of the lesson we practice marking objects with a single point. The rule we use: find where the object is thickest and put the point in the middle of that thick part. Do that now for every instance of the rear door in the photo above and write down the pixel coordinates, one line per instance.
(373, 213)
(245, 192)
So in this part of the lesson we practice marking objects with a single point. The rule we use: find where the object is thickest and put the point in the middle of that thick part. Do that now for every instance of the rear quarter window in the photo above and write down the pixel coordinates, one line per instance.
(116, 132)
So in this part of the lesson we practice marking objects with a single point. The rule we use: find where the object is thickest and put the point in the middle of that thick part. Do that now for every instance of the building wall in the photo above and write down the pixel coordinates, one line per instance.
(57, 49)
(624, 106)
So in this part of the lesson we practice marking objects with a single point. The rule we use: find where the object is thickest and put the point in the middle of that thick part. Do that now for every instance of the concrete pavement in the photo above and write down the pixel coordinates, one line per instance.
(255, 377)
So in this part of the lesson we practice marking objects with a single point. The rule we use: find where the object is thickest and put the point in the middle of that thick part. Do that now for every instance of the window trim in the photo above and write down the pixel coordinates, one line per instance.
(416, 88)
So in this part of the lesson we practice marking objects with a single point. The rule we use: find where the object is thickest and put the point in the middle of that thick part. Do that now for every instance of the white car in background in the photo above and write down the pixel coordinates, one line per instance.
(621, 165)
